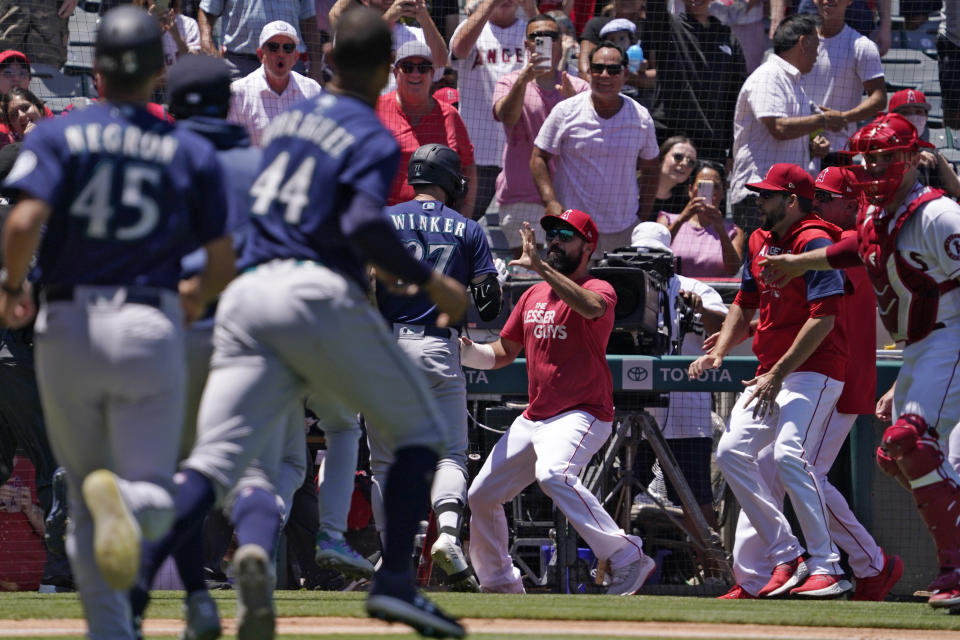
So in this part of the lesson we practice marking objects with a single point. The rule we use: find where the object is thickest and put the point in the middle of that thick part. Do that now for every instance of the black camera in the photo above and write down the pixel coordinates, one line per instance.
(641, 279)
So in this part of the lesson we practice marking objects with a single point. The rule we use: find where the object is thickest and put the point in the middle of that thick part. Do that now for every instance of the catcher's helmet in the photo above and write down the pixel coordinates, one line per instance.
(128, 44)
(440, 165)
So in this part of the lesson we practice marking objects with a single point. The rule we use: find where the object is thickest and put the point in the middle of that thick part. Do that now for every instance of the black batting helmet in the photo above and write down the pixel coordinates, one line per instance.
(440, 165)
(129, 44)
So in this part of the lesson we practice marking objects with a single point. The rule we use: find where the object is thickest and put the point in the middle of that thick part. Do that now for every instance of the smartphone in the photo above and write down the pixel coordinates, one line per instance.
(544, 47)
(705, 190)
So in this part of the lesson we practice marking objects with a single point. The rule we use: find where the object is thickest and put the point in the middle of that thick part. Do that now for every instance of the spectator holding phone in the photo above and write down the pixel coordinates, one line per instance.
(708, 245)
(181, 34)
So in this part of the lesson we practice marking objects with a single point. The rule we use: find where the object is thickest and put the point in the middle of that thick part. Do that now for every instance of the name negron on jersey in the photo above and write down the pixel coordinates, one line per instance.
(428, 224)
(114, 138)
(322, 131)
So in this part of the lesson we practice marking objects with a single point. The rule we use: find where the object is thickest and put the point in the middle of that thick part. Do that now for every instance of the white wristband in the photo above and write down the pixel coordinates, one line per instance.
(477, 356)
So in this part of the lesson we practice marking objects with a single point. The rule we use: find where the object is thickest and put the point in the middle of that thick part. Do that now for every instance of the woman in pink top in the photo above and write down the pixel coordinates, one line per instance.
(708, 245)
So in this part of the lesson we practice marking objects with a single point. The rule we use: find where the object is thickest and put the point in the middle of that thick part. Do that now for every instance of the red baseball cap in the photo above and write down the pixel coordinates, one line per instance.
(12, 55)
(577, 219)
(908, 97)
(786, 178)
(837, 180)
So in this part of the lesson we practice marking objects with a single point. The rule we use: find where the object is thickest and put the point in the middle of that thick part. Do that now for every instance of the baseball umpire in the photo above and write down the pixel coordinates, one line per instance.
(437, 235)
(121, 196)
(297, 321)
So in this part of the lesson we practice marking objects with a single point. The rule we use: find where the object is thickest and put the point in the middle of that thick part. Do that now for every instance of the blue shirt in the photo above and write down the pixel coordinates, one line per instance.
(130, 195)
(447, 241)
(242, 20)
(317, 156)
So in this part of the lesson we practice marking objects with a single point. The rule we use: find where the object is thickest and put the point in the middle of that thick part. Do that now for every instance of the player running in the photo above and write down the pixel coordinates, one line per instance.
(908, 237)
(123, 196)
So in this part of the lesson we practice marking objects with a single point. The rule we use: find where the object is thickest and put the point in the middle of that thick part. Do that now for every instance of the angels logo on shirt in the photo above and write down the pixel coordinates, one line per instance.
(769, 287)
(952, 246)
(498, 56)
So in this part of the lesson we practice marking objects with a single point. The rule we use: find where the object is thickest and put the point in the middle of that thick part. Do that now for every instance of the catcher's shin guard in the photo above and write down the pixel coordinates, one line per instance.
(890, 467)
(916, 449)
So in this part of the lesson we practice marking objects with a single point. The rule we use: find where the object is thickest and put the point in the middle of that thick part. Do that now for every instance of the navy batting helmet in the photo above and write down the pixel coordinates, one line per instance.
(440, 165)
(129, 44)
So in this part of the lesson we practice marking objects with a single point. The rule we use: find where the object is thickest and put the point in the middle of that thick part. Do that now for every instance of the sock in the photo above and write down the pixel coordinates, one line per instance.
(257, 518)
(406, 500)
(448, 515)
(193, 498)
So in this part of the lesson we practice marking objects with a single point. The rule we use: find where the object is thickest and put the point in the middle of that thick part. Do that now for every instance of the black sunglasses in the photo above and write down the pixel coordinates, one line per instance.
(288, 47)
(423, 67)
(680, 158)
(565, 235)
(612, 69)
(766, 195)
(543, 34)
(825, 196)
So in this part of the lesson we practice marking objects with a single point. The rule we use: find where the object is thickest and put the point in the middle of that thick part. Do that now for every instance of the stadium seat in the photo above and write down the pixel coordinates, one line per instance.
(938, 137)
(922, 39)
(908, 69)
(952, 156)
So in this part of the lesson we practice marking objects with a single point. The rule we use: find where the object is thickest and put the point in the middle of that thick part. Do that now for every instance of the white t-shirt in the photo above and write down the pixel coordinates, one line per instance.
(773, 90)
(930, 241)
(189, 31)
(497, 52)
(844, 63)
(596, 158)
(688, 413)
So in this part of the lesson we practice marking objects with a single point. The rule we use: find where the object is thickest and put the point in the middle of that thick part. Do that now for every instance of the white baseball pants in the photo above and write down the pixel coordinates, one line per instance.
(752, 564)
(804, 405)
(550, 452)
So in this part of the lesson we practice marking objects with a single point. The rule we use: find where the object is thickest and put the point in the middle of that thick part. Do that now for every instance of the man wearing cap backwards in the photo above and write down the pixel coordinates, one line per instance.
(912, 105)
(908, 237)
(788, 403)
(115, 220)
(837, 202)
(563, 324)
(260, 96)
(415, 118)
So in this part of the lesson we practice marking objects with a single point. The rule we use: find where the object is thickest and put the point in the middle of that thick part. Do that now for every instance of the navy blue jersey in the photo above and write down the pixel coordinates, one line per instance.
(448, 242)
(317, 156)
(129, 194)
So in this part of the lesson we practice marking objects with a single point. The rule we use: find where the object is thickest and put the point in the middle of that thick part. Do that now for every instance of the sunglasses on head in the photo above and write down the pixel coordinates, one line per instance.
(565, 235)
(422, 67)
(543, 34)
(680, 158)
(288, 47)
(598, 69)
(825, 196)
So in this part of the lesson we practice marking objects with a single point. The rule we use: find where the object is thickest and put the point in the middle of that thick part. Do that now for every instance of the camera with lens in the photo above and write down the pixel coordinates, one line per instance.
(641, 279)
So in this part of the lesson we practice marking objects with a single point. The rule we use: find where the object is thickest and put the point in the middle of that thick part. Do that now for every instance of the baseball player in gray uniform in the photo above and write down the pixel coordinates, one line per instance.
(440, 237)
(120, 196)
(292, 323)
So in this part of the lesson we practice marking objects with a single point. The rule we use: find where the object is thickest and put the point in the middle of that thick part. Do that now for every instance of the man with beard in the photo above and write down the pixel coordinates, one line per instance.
(563, 325)
(787, 405)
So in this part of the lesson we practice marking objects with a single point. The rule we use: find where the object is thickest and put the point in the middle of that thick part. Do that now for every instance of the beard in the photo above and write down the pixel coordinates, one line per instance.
(559, 260)
(770, 220)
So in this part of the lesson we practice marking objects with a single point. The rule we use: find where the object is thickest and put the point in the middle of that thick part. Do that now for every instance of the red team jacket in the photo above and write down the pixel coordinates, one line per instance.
(784, 309)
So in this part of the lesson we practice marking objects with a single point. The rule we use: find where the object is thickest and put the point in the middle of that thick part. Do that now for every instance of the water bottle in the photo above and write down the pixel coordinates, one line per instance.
(635, 57)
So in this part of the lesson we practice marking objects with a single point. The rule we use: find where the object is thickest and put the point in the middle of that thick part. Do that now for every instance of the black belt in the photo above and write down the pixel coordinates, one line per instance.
(429, 330)
(150, 296)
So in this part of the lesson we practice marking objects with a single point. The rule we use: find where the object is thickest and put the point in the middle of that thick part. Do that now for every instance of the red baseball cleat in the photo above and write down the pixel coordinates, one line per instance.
(822, 585)
(737, 593)
(877, 587)
(785, 576)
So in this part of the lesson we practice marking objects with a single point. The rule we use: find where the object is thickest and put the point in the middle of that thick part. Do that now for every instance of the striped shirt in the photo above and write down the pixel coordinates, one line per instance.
(254, 104)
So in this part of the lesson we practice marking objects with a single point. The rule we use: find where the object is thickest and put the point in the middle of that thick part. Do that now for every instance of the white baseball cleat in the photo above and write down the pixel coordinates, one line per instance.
(448, 555)
(628, 579)
(255, 614)
(116, 534)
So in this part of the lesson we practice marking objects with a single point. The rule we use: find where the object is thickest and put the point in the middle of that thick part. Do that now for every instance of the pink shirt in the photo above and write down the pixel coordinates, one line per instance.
(566, 353)
(443, 125)
(699, 249)
(515, 182)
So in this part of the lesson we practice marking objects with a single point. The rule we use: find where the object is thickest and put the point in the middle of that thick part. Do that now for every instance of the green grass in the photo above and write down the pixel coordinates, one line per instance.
(838, 613)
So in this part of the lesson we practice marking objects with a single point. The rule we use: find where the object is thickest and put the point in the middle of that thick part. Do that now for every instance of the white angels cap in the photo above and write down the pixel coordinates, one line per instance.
(278, 28)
